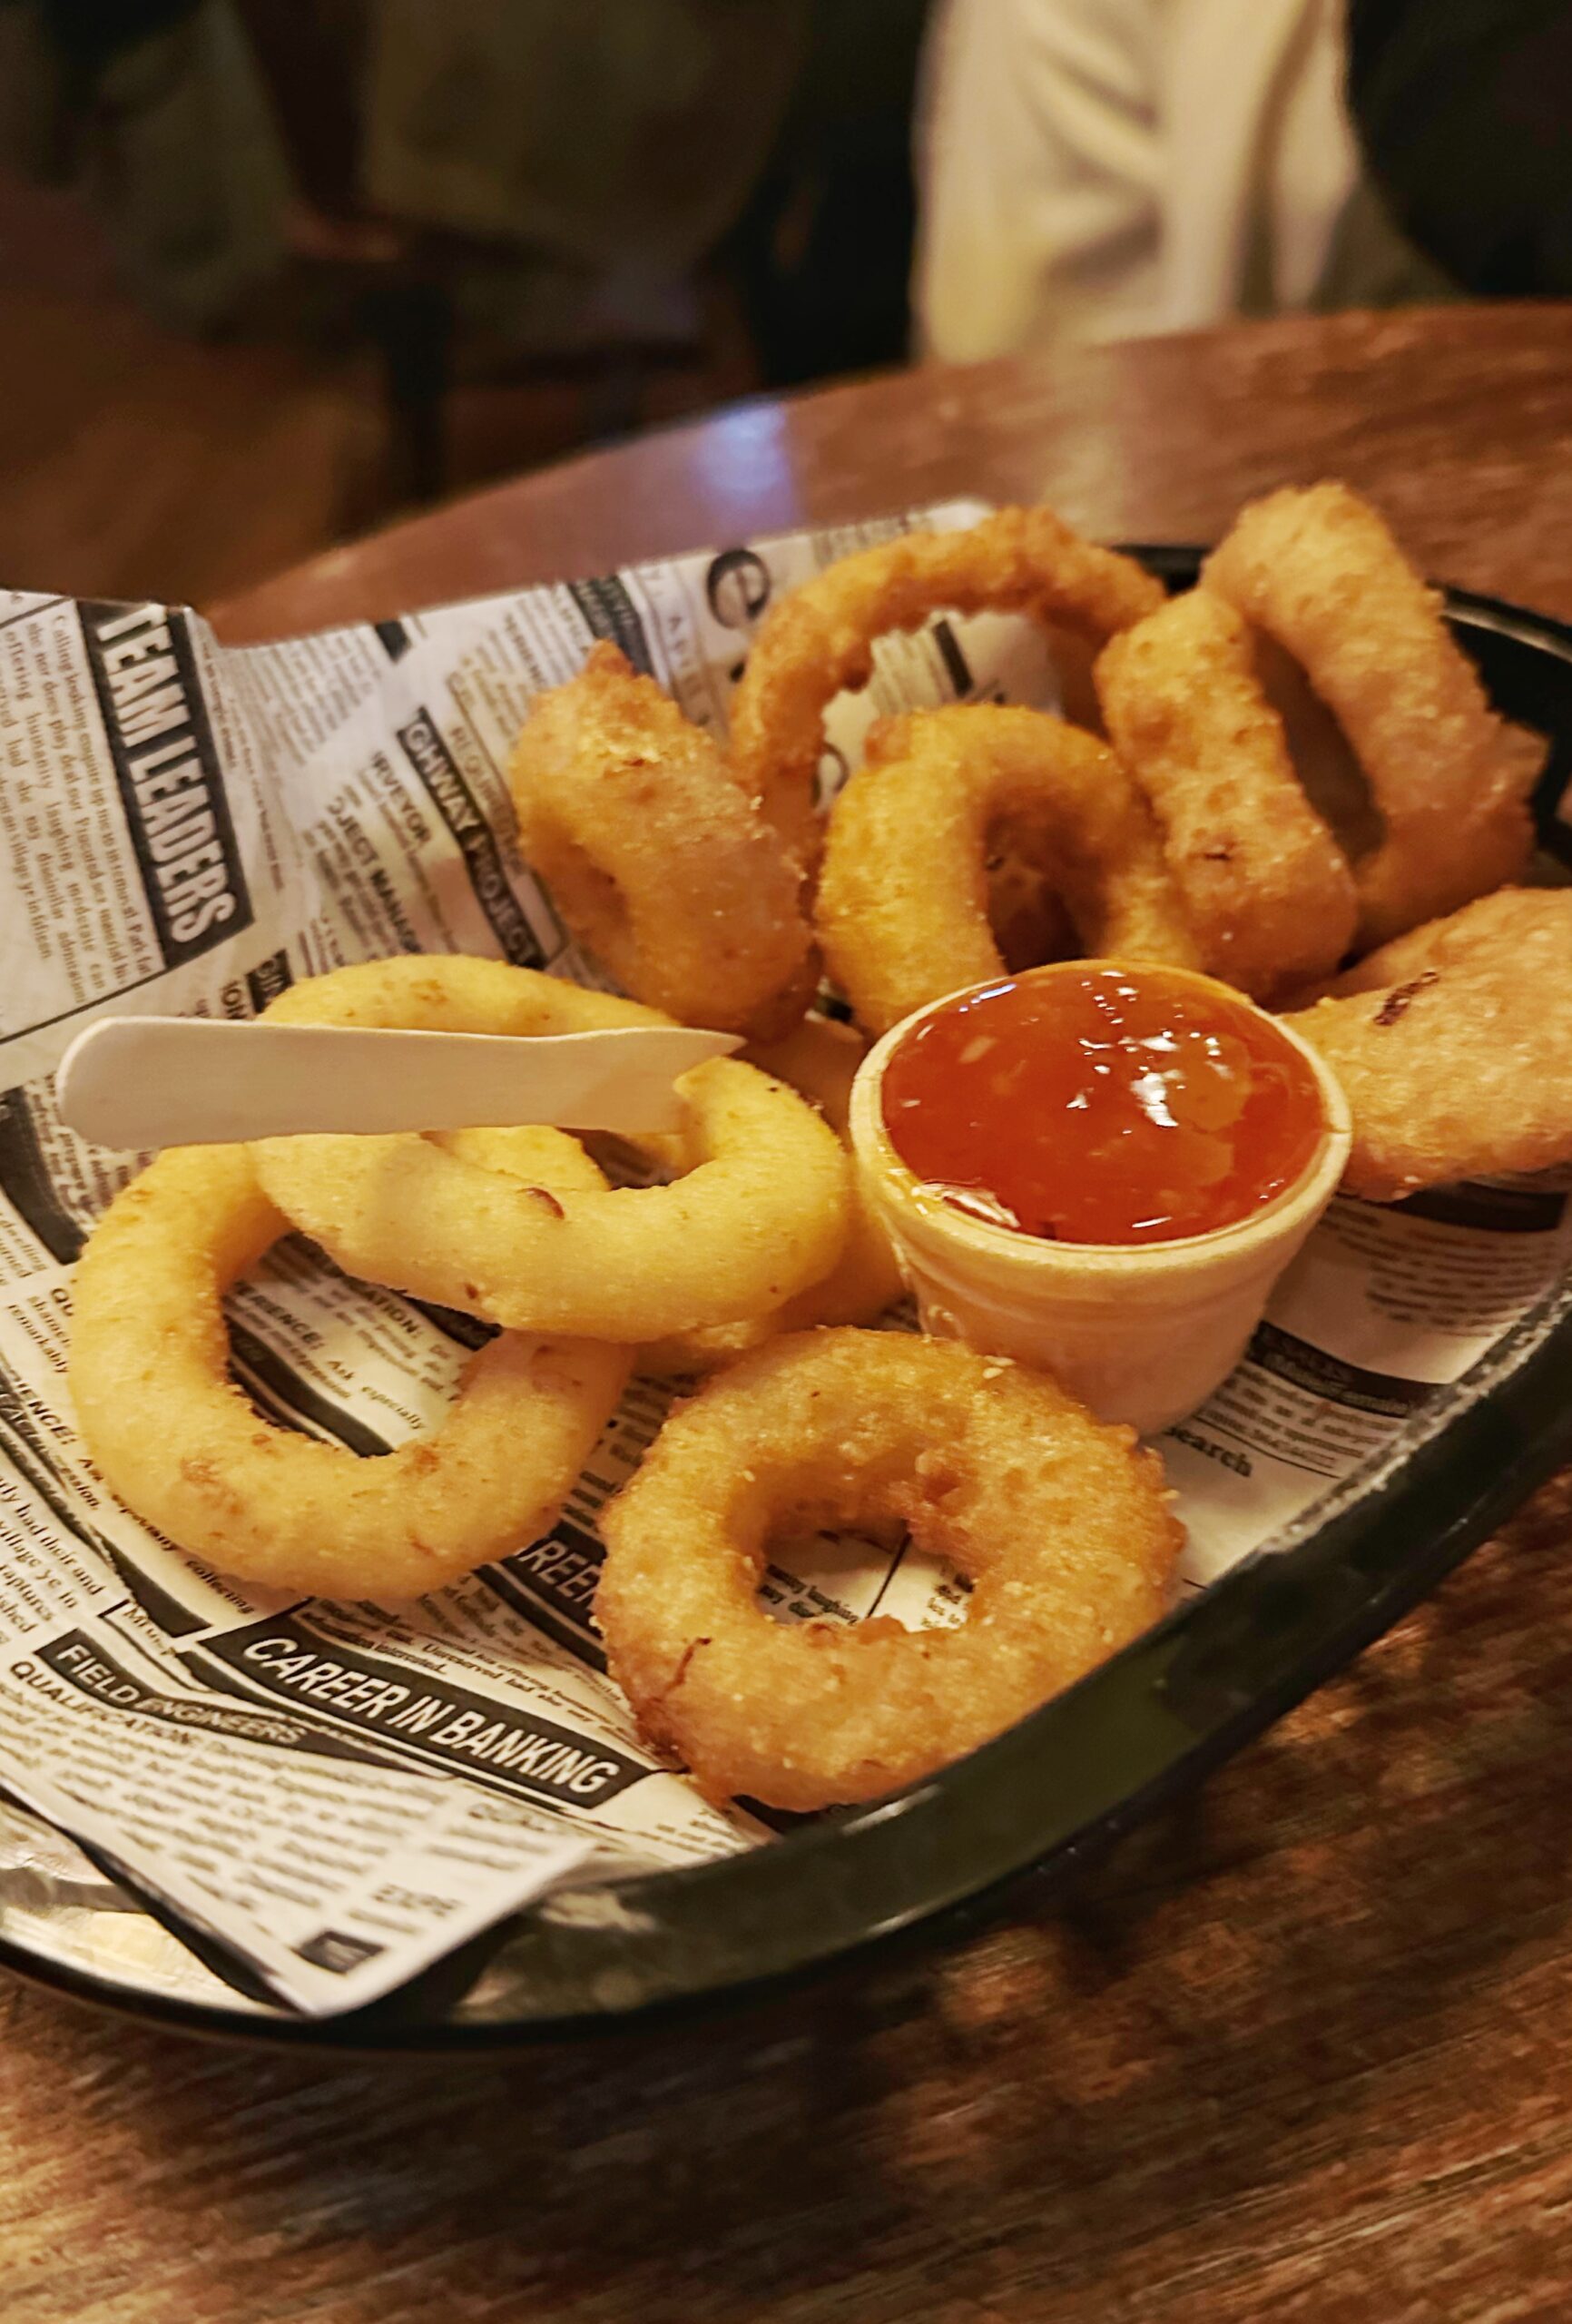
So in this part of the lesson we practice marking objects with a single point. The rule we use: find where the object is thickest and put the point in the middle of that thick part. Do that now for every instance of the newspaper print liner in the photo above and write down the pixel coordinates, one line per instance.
(1316, 1448)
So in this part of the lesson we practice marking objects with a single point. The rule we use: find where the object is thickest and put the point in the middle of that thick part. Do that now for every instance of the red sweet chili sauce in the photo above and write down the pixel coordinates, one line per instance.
(1100, 1104)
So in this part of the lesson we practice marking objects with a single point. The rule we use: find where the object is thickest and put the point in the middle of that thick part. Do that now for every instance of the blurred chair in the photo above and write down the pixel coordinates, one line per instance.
(564, 164)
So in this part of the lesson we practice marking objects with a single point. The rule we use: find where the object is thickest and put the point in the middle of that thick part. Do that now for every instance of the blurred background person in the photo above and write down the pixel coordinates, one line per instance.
(1096, 169)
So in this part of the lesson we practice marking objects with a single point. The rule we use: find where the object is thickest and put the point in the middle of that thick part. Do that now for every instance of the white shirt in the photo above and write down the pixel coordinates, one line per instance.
(1093, 169)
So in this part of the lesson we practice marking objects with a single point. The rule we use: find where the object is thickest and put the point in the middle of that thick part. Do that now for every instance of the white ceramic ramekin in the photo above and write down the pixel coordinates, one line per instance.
(1139, 1332)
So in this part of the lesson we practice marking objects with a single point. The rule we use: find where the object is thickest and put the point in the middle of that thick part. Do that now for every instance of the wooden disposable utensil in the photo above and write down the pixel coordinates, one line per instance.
(151, 1082)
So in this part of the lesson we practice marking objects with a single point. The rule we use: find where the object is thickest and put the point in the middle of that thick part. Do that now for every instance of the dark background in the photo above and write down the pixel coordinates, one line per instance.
(160, 444)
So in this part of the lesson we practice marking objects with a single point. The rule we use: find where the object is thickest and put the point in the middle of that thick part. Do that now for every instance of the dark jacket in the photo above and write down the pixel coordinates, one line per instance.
(1464, 109)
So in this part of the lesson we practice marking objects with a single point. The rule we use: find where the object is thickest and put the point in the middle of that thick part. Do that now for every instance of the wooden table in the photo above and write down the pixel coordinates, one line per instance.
(1300, 2049)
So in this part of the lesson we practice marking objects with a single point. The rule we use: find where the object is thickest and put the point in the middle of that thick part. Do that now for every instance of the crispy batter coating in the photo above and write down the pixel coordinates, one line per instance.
(1320, 573)
(819, 640)
(819, 1059)
(1267, 889)
(655, 858)
(820, 1062)
(1454, 1044)
(1062, 1524)
(902, 908)
(762, 1209)
(182, 1446)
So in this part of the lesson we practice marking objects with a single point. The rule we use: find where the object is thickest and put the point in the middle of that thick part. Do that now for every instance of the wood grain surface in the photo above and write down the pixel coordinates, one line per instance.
(1298, 2050)
(1460, 419)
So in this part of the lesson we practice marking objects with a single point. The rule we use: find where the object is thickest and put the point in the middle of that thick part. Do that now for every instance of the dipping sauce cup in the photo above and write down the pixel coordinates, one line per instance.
(1141, 1329)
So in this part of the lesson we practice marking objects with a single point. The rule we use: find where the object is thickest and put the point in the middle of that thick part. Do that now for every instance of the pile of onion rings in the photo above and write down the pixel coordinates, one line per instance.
(518, 1227)
(819, 640)
(705, 882)
(977, 837)
(693, 875)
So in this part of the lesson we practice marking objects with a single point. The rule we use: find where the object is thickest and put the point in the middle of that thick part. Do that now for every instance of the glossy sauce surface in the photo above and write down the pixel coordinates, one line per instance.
(1101, 1103)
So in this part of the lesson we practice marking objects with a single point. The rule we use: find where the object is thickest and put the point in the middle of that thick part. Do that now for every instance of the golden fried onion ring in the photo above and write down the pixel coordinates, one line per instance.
(820, 1062)
(1319, 572)
(1454, 1044)
(1061, 1523)
(902, 906)
(655, 858)
(183, 1448)
(764, 1210)
(819, 1059)
(819, 640)
(1266, 887)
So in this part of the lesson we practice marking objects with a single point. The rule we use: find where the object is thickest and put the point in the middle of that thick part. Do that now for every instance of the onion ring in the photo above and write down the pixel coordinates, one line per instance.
(902, 903)
(764, 1209)
(655, 858)
(183, 1447)
(1061, 1523)
(1265, 885)
(820, 1062)
(1454, 1044)
(1319, 572)
(819, 1059)
(819, 640)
